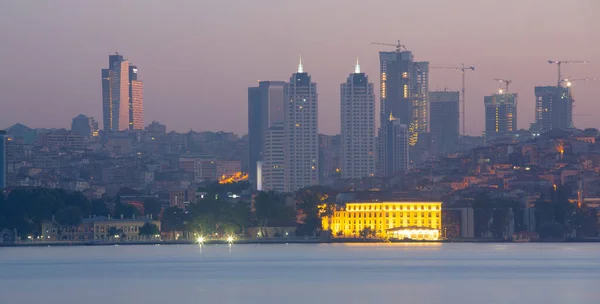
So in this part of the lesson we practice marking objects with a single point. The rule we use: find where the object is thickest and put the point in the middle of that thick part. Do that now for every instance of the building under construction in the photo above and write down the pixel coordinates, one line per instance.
(553, 108)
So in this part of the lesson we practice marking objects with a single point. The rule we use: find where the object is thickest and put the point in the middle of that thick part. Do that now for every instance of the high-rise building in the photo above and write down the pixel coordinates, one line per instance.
(329, 158)
(404, 88)
(265, 110)
(271, 170)
(500, 115)
(115, 94)
(358, 126)
(136, 100)
(444, 121)
(393, 148)
(85, 126)
(3, 163)
(553, 108)
(301, 132)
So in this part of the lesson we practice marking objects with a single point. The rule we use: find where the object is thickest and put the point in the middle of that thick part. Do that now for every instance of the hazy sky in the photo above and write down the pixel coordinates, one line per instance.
(197, 58)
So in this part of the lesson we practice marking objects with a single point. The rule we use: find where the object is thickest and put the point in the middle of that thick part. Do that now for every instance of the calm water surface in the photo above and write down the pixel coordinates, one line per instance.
(327, 273)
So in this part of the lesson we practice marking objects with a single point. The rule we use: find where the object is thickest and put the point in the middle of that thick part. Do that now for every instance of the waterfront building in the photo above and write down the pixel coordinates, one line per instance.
(98, 229)
(417, 220)
(265, 110)
(301, 132)
(500, 115)
(357, 126)
(444, 123)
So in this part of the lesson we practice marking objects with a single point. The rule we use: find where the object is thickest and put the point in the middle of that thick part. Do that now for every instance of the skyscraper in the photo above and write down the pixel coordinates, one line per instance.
(115, 94)
(393, 145)
(500, 115)
(404, 88)
(265, 110)
(358, 126)
(444, 122)
(272, 165)
(136, 100)
(2, 160)
(301, 132)
(553, 108)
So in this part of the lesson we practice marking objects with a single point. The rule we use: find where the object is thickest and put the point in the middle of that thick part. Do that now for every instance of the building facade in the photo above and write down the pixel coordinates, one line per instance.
(84, 126)
(271, 175)
(444, 121)
(136, 100)
(357, 126)
(500, 115)
(265, 110)
(301, 132)
(393, 148)
(395, 220)
(553, 108)
(115, 94)
(404, 89)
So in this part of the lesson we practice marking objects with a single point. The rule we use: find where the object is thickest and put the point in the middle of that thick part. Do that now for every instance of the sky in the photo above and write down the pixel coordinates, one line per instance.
(198, 57)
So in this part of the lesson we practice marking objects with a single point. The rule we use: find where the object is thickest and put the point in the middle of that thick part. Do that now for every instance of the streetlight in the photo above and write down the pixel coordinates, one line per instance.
(200, 240)
(230, 240)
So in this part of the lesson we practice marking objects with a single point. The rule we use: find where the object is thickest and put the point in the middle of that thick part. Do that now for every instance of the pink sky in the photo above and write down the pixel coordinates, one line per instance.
(197, 58)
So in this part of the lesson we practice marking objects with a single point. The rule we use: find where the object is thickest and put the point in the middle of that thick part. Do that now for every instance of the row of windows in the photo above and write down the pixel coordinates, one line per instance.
(352, 207)
(386, 214)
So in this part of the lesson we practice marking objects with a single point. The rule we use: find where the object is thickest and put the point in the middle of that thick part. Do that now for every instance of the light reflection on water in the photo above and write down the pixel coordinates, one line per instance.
(288, 273)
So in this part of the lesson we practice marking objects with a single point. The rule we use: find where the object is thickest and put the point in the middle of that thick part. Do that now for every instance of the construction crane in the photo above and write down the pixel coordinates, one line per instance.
(569, 82)
(398, 46)
(463, 69)
(560, 62)
(506, 83)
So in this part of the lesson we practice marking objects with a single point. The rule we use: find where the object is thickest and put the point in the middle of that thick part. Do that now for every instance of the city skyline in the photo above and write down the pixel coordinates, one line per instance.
(184, 88)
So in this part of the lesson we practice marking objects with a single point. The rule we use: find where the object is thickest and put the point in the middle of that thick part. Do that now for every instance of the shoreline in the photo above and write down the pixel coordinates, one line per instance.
(281, 241)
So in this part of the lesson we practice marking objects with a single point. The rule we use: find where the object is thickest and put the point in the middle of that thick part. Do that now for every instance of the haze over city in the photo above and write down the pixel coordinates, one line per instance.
(197, 58)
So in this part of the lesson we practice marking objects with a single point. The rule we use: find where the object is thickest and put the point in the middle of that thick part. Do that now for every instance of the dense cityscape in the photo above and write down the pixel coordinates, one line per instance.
(417, 176)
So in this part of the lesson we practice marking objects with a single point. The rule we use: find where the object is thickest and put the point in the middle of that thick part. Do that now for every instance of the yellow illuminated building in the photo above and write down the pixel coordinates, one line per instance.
(394, 220)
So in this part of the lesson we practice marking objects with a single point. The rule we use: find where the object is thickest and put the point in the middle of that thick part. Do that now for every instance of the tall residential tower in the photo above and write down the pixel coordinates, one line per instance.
(444, 123)
(136, 100)
(358, 126)
(301, 132)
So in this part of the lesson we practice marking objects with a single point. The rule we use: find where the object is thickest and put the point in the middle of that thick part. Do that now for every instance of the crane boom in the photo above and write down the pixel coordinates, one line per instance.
(398, 45)
(559, 64)
(462, 68)
(506, 82)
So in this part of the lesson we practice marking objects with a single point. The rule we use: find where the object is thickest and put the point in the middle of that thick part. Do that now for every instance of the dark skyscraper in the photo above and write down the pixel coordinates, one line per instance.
(444, 121)
(136, 100)
(553, 108)
(265, 109)
(404, 88)
(115, 94)
(500, 115)
(2, 160)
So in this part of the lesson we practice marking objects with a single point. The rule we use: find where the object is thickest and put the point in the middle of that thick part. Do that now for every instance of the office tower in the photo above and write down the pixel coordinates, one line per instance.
(2, 160)
(393, 143)
(301, 132)
(85, 126)
(500, 115)
(265, 110)
(444, 121)
(115, 94)
(270, 173)
(136, 100)
(404, 88)
(553, 108)
(358, 126)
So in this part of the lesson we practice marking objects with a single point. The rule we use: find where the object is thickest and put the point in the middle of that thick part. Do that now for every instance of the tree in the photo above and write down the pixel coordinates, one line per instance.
(270, 208)
(173, 219)
(152, 206)
(553, 231)
(69, 216)
(128, 211)
(149, 230)
(312, 204)
(99, 208)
